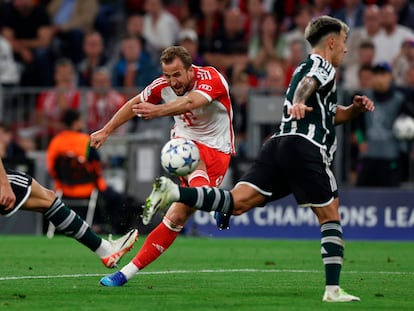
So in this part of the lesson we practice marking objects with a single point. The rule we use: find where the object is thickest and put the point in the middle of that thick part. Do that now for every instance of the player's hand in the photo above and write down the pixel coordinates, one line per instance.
(98, 138)
(145, 110)
(7, 197)
(363, 103)
(298, 111)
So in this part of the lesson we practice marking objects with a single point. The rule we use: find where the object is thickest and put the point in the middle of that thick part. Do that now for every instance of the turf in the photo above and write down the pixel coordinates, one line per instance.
(204, 274)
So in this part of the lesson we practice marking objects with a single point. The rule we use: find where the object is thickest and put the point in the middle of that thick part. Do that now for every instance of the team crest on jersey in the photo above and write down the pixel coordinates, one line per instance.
(323, 73)
(148, 92)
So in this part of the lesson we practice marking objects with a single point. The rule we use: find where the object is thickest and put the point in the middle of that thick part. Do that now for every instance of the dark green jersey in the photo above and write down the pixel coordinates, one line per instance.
(318, 125)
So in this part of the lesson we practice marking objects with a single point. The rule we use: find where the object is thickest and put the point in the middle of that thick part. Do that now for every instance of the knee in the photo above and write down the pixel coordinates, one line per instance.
(49, 197)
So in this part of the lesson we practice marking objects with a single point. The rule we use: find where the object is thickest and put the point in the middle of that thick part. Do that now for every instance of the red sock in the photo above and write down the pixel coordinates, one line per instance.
(198, 178)
(155, 244)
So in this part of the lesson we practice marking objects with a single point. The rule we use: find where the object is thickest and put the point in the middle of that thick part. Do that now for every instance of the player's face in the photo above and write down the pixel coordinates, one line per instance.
(339, 49)
(179, 78)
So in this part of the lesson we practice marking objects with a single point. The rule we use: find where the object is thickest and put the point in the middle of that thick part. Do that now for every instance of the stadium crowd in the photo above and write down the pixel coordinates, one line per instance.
(62, 46)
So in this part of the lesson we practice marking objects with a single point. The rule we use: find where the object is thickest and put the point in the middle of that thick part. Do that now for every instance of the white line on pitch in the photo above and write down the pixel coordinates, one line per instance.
(7, 278)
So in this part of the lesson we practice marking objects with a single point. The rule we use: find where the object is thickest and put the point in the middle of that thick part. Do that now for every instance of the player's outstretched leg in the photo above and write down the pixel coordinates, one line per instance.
(163, 194)
(119, 248)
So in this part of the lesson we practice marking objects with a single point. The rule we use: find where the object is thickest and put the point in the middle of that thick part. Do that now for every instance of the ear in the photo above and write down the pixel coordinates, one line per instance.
(331, 42)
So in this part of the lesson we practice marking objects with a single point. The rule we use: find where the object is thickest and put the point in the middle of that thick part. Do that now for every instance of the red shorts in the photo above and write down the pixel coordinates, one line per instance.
(217, 163)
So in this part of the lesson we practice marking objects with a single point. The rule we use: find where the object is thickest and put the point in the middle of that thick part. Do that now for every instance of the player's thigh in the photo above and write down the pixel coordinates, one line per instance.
(265, 175)
(40, 198)
(308, 172)
(216, 163)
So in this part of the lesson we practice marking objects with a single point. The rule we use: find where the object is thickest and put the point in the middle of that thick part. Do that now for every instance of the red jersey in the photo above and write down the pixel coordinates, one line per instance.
(210, 125)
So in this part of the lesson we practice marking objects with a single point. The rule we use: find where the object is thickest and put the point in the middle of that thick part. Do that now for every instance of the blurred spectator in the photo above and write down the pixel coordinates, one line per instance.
(71, 19)
(27, 28)
(135, 26)
(403, 62)
(365, 77)
(188, 38)
(255, 12)
(134, 6)
(352, 13)
(378, 148)
(408, 146)
(12, 154)
(94, 57)
(366, 53)
(161, 28)
(405, 11)
(321, 7)
(135, 68)
(229, 51)
(301, 18)
(240, 95)
(102, 100)
(52, 103)
(369, 31)
(296, 54)
(275, 77)
(72, 140)
(271, 43)
(9, 71)
(108, 20)
(9, 148)
(210, 22)
(365, 84)
(389, 41)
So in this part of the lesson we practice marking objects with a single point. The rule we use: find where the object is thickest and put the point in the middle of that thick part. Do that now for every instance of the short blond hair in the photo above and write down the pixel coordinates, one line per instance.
(318, 28)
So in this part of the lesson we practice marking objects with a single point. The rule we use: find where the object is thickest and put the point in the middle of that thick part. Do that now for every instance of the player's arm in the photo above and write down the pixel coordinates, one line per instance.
(359, 104)
(305, 88)
(7, 197)
(123, 115)
(178, 106)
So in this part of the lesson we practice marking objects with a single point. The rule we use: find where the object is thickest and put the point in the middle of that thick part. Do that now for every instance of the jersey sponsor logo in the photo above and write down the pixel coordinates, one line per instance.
(203, 74)
(205, 87)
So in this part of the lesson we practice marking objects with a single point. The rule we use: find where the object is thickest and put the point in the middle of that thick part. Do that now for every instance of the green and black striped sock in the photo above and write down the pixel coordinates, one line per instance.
(207, 199)
(332, 251)
(71, 224)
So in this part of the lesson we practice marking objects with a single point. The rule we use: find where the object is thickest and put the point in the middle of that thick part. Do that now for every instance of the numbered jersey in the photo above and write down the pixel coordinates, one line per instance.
(210, 124)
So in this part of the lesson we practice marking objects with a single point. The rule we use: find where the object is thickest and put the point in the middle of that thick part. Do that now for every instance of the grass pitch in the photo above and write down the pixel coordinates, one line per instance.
(204, 274)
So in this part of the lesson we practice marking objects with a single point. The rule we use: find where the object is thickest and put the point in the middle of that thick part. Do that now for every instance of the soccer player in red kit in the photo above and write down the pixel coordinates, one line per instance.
(198, 99)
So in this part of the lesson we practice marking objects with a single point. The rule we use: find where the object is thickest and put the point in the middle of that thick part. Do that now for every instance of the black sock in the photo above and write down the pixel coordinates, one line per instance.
(68, 222)
(332, 251)
(207, 199)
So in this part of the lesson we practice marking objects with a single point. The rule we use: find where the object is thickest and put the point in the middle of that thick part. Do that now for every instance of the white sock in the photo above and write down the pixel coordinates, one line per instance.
(130, 270)
(331, 288)
(105, 249)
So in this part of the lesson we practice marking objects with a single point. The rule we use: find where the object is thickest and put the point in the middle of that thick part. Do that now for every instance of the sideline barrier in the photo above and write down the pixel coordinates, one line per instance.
(367, 214)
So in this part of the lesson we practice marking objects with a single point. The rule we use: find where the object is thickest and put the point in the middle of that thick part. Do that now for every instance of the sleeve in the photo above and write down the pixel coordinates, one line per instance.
(214, 87)
(152, 93)
(322, 75)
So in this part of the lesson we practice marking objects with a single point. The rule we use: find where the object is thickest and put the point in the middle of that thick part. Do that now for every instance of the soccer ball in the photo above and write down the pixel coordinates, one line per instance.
(403, 127)
(180, 156)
